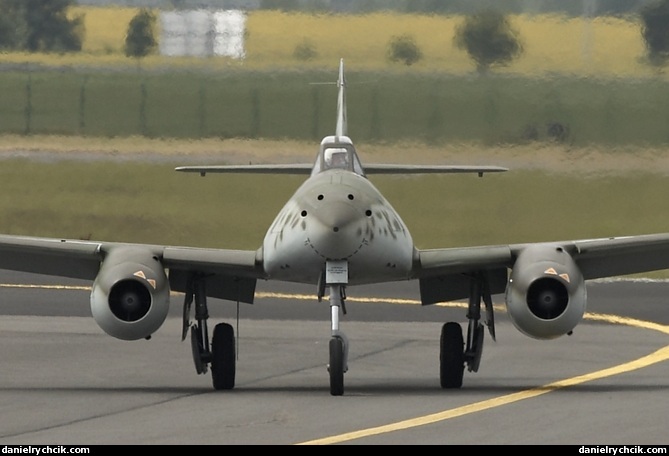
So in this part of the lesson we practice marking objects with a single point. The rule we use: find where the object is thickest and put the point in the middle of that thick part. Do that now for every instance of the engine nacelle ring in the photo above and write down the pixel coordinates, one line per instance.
(130, 295)
(546, 294)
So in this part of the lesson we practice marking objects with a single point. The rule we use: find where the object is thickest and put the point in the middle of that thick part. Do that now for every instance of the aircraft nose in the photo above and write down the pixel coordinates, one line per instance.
(338, 216)
(337, 233)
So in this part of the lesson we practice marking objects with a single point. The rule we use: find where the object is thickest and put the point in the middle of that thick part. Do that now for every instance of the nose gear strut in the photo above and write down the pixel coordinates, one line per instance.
(336, 278)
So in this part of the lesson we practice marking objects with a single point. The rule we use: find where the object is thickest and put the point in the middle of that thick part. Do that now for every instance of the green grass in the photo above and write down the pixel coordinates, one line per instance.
(144, 202)
(388, 107)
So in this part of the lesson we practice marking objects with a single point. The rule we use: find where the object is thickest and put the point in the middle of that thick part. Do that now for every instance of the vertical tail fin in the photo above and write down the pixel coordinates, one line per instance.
(342, 126)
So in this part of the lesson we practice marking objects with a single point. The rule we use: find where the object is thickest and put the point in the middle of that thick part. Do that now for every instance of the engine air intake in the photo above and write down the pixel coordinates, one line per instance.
(129, 300)
(547, 298)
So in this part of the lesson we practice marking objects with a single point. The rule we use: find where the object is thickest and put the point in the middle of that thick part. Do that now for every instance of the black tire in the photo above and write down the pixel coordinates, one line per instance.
(451, 356)
(223, 357)
(336, 366)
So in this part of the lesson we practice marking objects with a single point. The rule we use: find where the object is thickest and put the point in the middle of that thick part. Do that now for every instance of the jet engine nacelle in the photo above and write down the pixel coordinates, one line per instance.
(130, 297)
(546, 293)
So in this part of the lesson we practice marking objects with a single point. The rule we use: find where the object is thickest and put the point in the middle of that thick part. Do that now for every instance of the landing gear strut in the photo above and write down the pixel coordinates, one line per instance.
(221, 355)
(338, 343)
(454, 352)
(336, 278)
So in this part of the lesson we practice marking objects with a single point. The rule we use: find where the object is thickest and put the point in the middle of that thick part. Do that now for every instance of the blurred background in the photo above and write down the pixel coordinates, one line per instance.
(574, 72)
(572, 95)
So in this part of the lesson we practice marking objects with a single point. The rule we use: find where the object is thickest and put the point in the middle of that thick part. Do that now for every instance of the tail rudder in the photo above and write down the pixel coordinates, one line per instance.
(342, 124)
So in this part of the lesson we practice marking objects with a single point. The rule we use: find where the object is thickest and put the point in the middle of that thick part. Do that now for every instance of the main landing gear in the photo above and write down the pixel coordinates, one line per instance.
(221, 355)
(454, 353)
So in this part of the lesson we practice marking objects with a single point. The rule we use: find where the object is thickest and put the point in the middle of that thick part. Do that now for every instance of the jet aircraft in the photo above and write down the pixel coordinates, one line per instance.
(337, 231)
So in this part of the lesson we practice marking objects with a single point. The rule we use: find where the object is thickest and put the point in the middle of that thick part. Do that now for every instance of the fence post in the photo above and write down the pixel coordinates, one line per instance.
(202, 110)
(435, 120)
(142, 108)
(316, 109)
(29, 105)
(82, 105)
(255, 114)
(375, 120)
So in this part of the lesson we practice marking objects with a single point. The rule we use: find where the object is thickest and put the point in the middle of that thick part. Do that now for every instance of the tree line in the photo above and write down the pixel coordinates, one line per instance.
(44, 26)
(566, 7)
(457, 7)
(486, 35)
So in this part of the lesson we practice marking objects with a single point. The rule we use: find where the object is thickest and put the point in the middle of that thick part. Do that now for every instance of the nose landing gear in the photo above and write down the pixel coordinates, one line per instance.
(336, 277)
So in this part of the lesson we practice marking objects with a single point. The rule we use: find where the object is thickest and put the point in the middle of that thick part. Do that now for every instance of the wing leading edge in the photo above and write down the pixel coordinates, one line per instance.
(452, 268)
(83, 259)
(596, 258)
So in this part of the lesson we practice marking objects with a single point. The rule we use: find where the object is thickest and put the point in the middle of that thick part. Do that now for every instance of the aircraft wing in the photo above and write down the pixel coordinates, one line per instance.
(608, 257)
(251, 169)
(445, 273)
(430, 169)
(60, 257)
(82, 259)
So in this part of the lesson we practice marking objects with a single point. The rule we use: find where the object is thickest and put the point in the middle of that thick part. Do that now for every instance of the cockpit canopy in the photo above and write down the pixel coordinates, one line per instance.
(336, 157)
(337, 152)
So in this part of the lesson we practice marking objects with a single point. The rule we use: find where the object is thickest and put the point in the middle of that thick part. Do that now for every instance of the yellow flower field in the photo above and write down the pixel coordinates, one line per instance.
(105, 28)
(552, 44)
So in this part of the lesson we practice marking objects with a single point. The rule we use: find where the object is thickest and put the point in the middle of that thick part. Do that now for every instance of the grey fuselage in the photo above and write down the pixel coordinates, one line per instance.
(337, 214)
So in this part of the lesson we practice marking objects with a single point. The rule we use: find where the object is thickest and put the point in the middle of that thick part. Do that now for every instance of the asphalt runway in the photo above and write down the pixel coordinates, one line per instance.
(63, 381)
